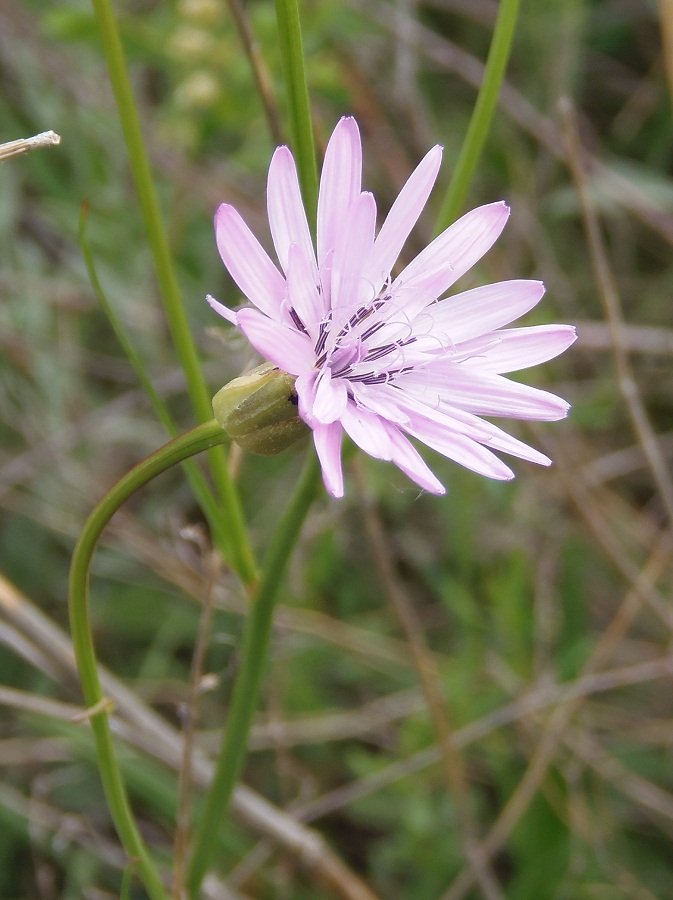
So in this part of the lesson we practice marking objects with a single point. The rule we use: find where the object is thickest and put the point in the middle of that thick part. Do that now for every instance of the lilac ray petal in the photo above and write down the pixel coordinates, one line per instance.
(222, 310)
(306, 299)
(407, 458)
(367, 431)
(460, 449)
(420, 404)
(327, 440)
(403, 216)
(483, 309)
(330, 398)
(374, 400)
(485, 433)
(489, 395)
(305, 386)
(455, 250)
(340, 183)
(247, 261)
(354, 241)
(287, 217)
(518, 448)
(290, 350)
(519, 348)
(505, 443)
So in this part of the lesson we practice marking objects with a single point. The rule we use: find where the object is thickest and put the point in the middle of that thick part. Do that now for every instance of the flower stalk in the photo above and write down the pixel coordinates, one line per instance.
(254, 649)
(237, 550)
(203, 437)
(482, 114)
(299, 109)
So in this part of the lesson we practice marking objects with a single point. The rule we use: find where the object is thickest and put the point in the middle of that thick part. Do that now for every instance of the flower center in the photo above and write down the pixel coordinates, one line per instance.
(351, 353)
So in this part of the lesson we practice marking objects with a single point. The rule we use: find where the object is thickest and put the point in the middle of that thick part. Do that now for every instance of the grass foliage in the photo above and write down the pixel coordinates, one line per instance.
(541, 608)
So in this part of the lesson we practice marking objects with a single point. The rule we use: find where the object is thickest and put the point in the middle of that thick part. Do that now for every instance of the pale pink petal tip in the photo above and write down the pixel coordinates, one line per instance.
(385, 358)
(222, 310)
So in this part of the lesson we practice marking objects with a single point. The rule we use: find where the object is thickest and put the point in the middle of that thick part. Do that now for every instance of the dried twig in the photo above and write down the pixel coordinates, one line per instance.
(25, 145)
(454, 766)
(564, 712)
(149, 732)
(626, 380)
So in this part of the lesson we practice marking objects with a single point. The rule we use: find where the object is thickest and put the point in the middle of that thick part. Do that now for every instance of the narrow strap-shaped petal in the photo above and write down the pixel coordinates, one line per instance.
(505, 443)
(327, 440)
(305, 386)
(460, 449)
(407, 458)
(403, 216)
(229, 314)
(423, 403)
(483, 309)
(303, 292)
(286, 348)
(486, 394)
(354, 243)
(511, 349)
(372, 398)
(287, 216)
(367, 431)
(248, 262)
(330, 398)
(455, 250)
(340, 183)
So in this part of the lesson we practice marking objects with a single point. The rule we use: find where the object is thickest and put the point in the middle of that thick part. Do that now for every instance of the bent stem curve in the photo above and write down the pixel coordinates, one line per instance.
(203, 437)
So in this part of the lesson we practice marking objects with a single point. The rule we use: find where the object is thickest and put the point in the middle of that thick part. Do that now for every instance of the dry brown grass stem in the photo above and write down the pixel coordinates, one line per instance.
(259, 70)
(48, 822)
(142, 728)
(635, 338)
(453, 763)
(531, 703)
(602, 527)
(378, 650)
(190, 716)
(607, 288)
(666, 22)
(562, 715)
(147, 731)
(452, 58)
(644, 793)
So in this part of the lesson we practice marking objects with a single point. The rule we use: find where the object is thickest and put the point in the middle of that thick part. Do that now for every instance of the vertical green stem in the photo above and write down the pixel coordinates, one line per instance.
(299, 110)
(257, 631)
(482, 114)
(239, 552)
(256, 639)
(203, 437)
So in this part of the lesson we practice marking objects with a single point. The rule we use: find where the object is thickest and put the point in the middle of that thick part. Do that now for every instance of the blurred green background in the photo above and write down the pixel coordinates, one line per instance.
(544, 603)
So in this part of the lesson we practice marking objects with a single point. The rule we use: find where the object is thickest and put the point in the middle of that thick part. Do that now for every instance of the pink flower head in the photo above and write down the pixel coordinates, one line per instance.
(384, 358)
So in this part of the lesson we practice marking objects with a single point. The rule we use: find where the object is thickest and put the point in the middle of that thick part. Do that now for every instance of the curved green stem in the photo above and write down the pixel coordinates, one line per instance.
(482, 114)
(246, 690)
(258, 625)
(203, 437)
(299, 109)
(198, 483)
(238, 550)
